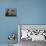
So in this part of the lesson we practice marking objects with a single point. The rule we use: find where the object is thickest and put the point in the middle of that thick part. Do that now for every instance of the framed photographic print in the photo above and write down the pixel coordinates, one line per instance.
(10, 12)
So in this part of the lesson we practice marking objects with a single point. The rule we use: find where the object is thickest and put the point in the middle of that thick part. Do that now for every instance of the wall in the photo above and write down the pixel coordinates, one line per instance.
(28, 12)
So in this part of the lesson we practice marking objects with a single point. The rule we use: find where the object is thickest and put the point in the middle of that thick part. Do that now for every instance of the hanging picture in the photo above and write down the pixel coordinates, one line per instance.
(10, 12)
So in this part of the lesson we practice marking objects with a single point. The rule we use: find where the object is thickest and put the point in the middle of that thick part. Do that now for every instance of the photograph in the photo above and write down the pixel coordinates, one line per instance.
(10, 12)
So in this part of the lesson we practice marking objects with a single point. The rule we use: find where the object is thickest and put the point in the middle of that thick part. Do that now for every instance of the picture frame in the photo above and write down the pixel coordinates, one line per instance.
(11, 12)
